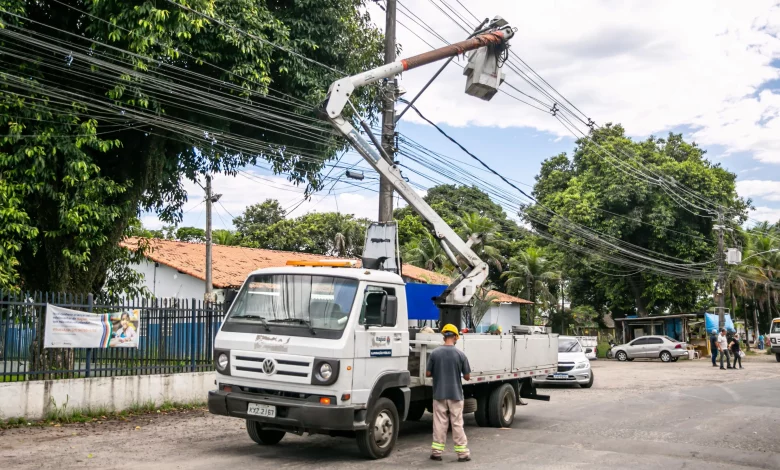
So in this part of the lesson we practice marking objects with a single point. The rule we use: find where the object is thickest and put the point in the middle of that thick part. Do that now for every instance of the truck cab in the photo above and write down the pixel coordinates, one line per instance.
(774, 338)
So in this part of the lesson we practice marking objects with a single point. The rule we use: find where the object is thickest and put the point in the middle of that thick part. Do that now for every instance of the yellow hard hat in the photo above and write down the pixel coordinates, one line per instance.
(450, 328)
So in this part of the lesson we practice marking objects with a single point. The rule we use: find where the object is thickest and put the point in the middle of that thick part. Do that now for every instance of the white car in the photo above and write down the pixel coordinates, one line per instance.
(573, 365)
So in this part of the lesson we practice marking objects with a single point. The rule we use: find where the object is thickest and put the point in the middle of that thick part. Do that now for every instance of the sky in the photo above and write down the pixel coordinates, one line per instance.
(707, 69)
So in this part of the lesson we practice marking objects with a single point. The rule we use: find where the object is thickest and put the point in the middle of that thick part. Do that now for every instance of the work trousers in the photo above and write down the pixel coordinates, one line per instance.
(714, 357)
(441, 420)
(725, 353)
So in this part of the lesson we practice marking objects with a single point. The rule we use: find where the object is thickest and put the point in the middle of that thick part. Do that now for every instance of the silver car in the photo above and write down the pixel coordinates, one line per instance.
(650, 347)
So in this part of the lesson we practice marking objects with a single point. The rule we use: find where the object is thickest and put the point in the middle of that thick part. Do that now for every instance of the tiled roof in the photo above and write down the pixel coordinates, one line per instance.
(231, 264)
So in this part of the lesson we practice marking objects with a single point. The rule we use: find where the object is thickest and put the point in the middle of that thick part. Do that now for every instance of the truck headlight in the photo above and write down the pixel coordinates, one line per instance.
(326, 371)
(222, 361)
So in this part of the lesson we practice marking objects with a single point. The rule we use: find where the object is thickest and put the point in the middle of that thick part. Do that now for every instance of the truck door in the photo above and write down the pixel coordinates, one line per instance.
(381, 338)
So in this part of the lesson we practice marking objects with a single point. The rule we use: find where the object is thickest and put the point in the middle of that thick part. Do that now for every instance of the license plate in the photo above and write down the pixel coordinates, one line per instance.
(256, 409)
(560, 376)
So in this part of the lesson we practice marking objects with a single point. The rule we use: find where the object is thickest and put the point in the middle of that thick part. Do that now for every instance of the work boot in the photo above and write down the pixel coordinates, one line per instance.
(722, 368)
(437, 458)
(464, 459)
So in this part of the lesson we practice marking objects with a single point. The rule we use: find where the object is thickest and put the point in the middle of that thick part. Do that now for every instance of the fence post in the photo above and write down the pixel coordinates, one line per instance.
(90, 300)
(192, 335)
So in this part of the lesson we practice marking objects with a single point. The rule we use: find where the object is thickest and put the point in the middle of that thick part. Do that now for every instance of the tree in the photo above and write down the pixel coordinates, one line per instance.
(530, 276)
(122, 100)
(490, 246)
(326, 233)
(616, 200)
(224, 237)
(426, 253)
(483, 301)
(583, 316)
(451, 202)
(258, 216)
(191, 235)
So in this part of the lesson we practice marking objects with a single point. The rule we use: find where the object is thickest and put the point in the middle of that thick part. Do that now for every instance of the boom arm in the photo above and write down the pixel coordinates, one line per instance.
(460, 292)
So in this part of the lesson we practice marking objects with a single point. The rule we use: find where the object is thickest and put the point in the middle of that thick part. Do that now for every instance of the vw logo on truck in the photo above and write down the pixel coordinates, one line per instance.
(269, 366)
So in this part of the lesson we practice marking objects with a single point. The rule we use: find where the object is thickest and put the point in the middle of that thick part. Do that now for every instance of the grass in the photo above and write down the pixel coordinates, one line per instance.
(61, 415)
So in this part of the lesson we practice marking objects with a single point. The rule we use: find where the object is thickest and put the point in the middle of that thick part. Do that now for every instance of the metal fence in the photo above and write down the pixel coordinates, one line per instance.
(174, 335)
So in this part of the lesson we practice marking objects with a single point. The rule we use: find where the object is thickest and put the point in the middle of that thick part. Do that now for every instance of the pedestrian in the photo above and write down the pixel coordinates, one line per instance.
(723, 347)
(761, 342)
(447, 365)
(714, 347)
(736, 350)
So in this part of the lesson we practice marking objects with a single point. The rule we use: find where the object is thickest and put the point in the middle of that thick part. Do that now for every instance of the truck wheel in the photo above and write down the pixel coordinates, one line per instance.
(777, 356)
(481, 415)
(666, 356)
(378, 440)
(501, 406)
(262, 436)
(416, 411)
(621, 356)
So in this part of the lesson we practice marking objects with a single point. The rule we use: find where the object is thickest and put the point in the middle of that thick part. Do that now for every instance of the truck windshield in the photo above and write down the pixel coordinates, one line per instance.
(776, 327)
(305, 301)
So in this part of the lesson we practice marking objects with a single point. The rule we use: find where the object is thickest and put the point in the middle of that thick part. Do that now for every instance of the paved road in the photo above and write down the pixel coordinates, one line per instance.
(639, 415)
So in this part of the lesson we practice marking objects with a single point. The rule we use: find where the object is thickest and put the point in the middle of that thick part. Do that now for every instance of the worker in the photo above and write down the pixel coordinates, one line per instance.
(447, 364)
(494, 329)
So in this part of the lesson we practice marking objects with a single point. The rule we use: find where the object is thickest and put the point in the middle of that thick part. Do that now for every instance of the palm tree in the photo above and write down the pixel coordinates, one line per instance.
(490, 245)
(483, 301)
(426, 253)
(530, 275)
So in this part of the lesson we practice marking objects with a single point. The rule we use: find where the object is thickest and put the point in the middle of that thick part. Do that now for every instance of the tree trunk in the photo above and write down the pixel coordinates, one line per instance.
(45, 359)
(755, 319)
(747, 325)
(637, 288)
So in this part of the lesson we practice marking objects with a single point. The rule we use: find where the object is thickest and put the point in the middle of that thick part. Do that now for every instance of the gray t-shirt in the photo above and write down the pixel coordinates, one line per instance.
(446, 365)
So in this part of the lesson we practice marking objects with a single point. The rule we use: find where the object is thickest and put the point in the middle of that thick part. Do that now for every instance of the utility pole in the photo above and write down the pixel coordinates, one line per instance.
(210, 199)
(388, 115)
(720, 286)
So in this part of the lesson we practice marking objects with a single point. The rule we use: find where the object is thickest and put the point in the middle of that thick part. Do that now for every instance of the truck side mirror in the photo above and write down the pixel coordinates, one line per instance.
(389, 310)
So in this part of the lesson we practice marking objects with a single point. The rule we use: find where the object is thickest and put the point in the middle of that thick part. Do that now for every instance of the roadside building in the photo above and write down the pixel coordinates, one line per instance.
(174, 269)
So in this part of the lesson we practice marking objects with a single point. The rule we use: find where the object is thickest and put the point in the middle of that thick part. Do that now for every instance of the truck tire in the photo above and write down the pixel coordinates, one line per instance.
(267, 437)
(777, 356)
(416, 411)
(501, 406)
(481, 415)
(378, 440)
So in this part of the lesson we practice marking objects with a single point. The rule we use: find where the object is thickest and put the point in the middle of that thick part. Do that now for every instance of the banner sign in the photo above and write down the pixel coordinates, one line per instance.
(67, 328)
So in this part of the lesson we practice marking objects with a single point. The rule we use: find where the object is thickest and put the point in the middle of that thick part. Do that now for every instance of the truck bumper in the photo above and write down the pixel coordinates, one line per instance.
(291, 415)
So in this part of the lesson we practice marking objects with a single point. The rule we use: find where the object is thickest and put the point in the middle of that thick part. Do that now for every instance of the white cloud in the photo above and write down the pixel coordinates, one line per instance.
(651, 66)
(768, 214)
(768, 190)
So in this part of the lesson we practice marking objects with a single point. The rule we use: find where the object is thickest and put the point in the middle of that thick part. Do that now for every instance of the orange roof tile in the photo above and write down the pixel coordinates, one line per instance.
(231, 264)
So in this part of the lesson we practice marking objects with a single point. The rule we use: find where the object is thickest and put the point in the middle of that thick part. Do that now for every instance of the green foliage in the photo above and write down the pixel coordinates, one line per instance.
(531, 276)
(327, 233)
(191, 235)
(72, 180)
(583, 316)
(224, 237)
(592, 190)
(258, 217)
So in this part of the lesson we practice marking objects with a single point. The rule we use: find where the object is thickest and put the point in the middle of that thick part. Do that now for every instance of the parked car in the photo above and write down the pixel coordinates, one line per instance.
(650, 347)
(590, 344)
(573, 365)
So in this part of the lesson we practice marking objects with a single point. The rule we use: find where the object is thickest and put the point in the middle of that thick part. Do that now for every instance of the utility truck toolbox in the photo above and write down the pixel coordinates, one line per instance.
(324, 347)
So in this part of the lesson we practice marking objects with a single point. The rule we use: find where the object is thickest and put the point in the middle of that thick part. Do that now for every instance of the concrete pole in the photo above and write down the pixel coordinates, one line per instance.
(720, 297)
(388, 115)
(209, 284)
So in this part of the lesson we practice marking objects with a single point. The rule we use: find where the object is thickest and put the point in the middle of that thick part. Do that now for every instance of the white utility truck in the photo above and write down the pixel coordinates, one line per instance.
(325, 347)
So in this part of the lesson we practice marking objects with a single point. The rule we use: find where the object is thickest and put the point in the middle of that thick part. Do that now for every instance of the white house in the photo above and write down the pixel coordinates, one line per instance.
(174, 269)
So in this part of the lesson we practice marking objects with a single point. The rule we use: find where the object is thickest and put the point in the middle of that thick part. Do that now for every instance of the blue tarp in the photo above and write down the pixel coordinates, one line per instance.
(711, 322)
(419, 301)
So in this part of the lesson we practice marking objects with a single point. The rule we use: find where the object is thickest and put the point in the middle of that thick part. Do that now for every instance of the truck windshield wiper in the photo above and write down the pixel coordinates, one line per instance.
(296, 320)
(257, 317)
